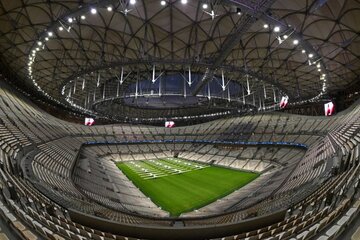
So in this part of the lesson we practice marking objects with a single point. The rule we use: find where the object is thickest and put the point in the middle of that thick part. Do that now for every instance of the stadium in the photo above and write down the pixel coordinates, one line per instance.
(179, 119)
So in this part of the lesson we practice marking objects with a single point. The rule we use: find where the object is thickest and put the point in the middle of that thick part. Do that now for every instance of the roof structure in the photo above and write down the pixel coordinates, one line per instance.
(249, 52)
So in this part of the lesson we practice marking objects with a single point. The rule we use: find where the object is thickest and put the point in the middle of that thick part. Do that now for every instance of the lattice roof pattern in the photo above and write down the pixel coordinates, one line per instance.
(178, 35)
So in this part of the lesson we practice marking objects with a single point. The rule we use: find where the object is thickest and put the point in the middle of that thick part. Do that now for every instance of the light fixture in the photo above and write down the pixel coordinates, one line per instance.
(132, 2)
(205, 6)
(61, 28)
(238, 11)
(93, 11)
(39, 43)
(319, 69)
(311, 55)
(50, 34)
(83, 17)
(184, 1)
(285, 36)
(318, 65)
(303, 51)
(296, 42)
(109, 8)
(46, 39)
(266, 25)
(70, 20)
(276, 29)
(163, 3)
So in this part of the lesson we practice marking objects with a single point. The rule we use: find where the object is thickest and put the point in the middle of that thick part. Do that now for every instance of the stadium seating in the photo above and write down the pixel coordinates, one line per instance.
(49, 169)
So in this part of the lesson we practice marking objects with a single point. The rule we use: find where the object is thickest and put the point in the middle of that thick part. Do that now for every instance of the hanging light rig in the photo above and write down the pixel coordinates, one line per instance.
(74, 86)
(190, 79)
(98, 79)
(223, 81)
(154, 78)
(109, 87)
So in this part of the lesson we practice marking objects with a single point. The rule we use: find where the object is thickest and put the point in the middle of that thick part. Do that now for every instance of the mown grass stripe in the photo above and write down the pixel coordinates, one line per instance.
(191, 190)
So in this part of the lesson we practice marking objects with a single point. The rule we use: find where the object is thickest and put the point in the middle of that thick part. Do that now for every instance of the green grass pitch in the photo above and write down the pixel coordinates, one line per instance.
(180, 186)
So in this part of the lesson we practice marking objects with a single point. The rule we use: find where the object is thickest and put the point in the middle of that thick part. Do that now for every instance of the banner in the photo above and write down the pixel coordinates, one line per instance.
(89, 121)
(329, 109)
(284, 102)
(169, 124)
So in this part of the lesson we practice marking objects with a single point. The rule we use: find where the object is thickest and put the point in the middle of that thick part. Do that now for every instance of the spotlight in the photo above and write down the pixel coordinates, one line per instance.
(50, 34)
(93, 11)
(46, 39)
(184, 1)
(205, 6)
(303, 51)
(311, 55)
(276, 29)
(109, 8)
(266, 25)
(70, 20)
(163, 3)
(285, 36)
(83, 17)
(319, 70)
(132, 2)
(39, 43)
(296, 42)
(238, 11)
(61, 28)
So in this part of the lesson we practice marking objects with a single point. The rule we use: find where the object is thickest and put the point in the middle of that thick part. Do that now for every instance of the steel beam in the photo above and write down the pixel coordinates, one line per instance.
(252, 13)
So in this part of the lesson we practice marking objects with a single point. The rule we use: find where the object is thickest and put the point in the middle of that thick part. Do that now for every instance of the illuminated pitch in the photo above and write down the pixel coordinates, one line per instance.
(179, 186)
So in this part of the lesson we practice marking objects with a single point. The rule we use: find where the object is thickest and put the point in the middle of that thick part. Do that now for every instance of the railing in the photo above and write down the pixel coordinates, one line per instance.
(282, 144)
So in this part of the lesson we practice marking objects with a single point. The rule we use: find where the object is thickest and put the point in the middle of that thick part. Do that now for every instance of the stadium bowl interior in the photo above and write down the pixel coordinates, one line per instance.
(209, 119)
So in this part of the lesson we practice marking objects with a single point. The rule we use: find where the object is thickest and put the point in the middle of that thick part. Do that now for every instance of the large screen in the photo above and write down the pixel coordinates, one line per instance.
(89, 121)
(169, 124)
(329, 109)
